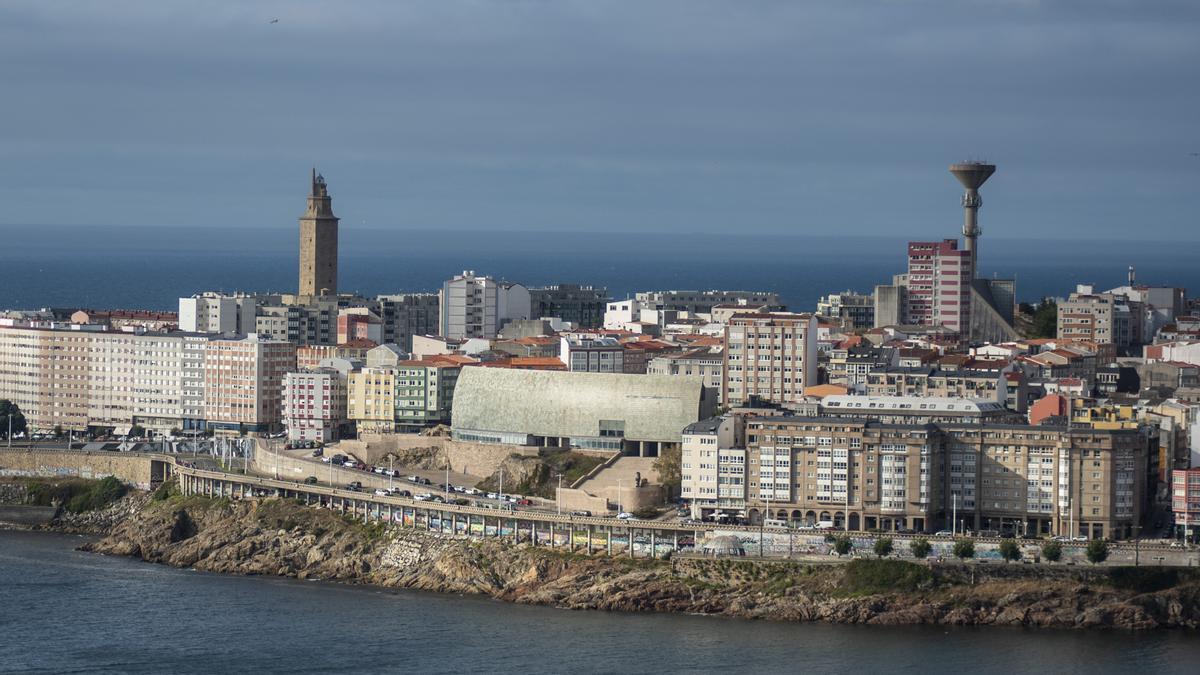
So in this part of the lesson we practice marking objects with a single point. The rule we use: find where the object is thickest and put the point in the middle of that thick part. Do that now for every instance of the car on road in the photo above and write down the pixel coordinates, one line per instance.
(311, 480)
(524, 501)
(492, 495)
(400, 493)
(473, 491)
(581, 513)
(423, 497)
(943, 533)
(354, 486)
(459, 501)
(380, 492)
(379, 470)
(625, 515)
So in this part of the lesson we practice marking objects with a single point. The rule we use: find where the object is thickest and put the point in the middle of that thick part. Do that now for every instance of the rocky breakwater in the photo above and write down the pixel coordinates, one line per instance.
(284, 538)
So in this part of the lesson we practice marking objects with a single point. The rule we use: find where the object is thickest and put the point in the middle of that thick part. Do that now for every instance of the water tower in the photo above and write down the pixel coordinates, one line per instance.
(972, 175)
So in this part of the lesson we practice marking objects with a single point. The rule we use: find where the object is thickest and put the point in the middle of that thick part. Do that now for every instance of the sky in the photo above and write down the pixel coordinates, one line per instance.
(672, 116)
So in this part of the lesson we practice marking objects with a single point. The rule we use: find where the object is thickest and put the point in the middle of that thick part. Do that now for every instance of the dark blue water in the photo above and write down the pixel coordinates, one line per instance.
(152, 268)
(62, 611)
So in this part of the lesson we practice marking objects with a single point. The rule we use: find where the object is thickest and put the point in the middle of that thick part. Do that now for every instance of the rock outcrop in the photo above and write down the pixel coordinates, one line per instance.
(287, 539)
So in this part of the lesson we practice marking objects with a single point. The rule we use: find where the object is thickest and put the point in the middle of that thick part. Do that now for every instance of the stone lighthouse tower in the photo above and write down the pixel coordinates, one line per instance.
(318, 243)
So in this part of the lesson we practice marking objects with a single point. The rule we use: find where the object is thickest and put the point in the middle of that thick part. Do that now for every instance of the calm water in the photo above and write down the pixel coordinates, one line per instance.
(62, 611)
(151, 268)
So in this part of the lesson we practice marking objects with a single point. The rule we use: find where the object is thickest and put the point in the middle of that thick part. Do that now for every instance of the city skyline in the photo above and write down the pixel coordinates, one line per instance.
(707, 117)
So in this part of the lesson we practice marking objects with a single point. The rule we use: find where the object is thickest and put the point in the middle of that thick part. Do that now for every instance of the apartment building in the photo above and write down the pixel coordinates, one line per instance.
(929, 381)
(314, 405)
(770, 357)
(850, 366)
(243, 383)
(371, 399)
(592, 354)
(425, 392)
(703, 363)
(476, 307)
(407, 314)
(211, 312)
(939, 285)
(582, 306)
(713, 466)
(1012, 479)
(852, 310)
(1103, 318)
(702, 302)
(82, 378)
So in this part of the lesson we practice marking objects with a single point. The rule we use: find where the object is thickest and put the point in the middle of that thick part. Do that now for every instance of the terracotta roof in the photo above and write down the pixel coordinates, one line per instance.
(527, 363)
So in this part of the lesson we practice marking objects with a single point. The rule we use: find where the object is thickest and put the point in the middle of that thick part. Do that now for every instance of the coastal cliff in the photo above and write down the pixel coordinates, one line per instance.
(282, 538)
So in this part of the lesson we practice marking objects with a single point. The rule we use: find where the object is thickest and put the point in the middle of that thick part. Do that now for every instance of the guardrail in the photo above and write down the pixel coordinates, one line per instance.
(546, 517)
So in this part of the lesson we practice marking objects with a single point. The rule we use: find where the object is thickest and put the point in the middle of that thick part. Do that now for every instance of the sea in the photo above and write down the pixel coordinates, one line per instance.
(151, 268)
(64, 611)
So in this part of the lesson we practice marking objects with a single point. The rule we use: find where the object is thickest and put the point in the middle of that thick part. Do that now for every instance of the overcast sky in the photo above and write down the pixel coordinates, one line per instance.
(585, 115)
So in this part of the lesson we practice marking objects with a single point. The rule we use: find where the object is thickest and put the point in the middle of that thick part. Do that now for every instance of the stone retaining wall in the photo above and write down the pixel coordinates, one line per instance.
(94, 465)
(475, 459)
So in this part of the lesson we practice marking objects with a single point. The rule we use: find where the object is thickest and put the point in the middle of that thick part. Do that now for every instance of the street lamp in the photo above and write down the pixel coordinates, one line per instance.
(558, 497)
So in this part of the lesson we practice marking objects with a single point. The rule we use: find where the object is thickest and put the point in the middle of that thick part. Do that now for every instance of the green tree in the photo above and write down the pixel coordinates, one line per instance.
(136, 431)
(1009, 550)
(964, 548)
(920, 548)
(842, 545)
(1052, 551)
(1045, 319)
(1097, 551)
(669, 466)
(883, 547)
(9, 411)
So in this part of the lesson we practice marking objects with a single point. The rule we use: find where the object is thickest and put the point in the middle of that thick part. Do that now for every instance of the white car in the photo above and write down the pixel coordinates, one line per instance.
(423, 497)
(326, 459)
(381, 492)
(492, 495)
(625, 516)
(379, 470)
(473, 491)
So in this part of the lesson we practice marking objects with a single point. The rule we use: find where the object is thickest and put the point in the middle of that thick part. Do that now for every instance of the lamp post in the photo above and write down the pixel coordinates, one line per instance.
(558, 497)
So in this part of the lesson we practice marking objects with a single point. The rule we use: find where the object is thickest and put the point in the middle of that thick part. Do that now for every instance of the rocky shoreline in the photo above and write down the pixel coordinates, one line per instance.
(282, 538)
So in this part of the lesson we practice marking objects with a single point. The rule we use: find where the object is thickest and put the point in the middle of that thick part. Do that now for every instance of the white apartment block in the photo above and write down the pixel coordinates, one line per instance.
(314, 405)
(769, 356)
(477, 307)
(216, 313)
(713, 468)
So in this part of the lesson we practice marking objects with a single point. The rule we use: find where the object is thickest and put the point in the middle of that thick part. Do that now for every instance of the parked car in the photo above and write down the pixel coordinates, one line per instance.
(311, 480)
(318, 452)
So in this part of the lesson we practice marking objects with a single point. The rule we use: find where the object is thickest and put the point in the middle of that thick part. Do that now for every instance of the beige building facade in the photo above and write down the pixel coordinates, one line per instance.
(1007, 479)
(770, 356)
